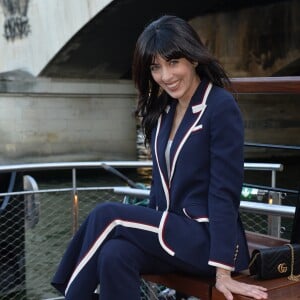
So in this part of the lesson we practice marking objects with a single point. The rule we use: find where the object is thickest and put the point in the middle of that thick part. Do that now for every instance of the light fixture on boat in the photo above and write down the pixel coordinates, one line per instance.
(270, 199)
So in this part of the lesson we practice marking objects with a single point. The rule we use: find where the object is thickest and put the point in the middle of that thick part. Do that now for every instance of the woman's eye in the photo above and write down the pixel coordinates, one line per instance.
(173, 62)
(154, 68)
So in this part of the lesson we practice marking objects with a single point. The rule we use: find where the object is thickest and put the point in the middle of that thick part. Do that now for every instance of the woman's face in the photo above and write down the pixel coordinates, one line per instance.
(177, 77)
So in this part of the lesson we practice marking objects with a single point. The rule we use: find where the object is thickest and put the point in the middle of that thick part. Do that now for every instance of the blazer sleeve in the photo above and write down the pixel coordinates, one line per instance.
(226, 179)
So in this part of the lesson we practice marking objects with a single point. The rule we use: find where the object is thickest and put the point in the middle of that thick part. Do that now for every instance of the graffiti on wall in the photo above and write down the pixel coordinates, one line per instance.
(16, 24)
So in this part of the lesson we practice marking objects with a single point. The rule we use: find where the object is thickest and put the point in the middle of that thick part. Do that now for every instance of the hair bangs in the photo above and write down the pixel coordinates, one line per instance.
(167, 49)
(163, 46)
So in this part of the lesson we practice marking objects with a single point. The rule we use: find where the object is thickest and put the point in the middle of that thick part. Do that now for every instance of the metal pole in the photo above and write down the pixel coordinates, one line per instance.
(74, 202)
(274, 222)
(273, 179)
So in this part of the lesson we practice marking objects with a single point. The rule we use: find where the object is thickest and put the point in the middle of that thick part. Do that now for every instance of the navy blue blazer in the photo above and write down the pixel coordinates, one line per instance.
(207, 166)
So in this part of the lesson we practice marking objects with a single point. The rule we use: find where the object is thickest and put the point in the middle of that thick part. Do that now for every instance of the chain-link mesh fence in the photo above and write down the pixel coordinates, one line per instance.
(35, 230)
(34, 238)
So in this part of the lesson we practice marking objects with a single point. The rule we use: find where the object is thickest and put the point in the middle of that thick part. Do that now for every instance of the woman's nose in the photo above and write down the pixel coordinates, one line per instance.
(165, 74)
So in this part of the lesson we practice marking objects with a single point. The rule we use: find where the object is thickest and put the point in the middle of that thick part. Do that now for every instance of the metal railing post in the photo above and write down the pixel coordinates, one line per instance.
(274, 222)
(74, 202)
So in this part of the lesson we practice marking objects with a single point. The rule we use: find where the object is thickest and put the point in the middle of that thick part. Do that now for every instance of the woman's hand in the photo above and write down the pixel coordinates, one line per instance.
(226, 285)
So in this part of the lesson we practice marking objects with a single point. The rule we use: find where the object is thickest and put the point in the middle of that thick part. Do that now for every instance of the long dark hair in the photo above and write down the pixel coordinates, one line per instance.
(171, 38)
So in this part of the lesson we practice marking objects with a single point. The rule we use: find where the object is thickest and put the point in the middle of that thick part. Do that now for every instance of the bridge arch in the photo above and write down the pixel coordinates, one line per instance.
(53, 23)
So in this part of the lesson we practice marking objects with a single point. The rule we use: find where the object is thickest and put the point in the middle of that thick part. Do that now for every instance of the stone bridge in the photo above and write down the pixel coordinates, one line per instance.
(95, 38)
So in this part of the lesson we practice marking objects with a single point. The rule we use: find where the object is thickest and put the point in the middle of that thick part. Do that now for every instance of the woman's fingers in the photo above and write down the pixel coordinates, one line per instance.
(228, 286)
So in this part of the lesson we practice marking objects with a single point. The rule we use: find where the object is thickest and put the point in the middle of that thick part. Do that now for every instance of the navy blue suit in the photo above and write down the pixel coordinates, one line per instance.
(192, 224)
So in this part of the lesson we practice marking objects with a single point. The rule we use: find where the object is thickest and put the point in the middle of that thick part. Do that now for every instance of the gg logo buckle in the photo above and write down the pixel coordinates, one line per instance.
(282, 268)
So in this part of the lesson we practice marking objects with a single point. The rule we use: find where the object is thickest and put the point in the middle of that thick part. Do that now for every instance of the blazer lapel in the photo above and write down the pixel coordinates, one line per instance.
(190, 120)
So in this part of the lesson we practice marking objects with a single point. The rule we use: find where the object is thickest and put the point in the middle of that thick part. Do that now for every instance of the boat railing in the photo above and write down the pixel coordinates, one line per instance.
(74, 166)
(262, 208)
(245, 206)
(266, 85)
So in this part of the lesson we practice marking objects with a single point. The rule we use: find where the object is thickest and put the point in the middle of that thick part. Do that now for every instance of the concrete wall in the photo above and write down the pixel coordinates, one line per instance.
(258, 41)
(52, 23)
(48, 121)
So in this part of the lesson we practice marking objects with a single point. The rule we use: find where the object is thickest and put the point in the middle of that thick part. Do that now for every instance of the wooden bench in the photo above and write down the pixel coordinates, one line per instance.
(203, 288)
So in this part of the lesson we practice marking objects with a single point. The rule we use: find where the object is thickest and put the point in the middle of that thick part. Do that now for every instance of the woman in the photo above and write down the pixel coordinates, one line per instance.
(195, 131)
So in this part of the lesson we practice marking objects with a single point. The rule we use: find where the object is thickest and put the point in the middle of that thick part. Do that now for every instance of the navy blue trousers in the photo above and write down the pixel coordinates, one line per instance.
(115, 244)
